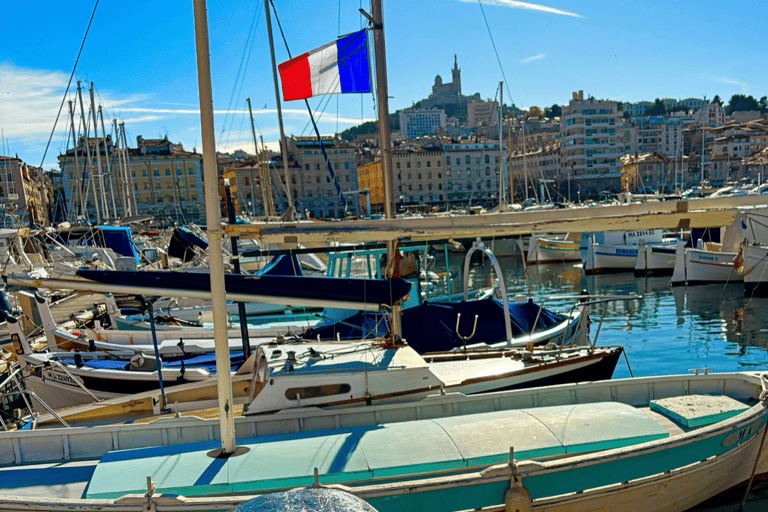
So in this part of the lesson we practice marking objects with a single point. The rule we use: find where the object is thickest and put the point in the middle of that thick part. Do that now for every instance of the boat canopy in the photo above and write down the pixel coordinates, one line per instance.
(431, 326)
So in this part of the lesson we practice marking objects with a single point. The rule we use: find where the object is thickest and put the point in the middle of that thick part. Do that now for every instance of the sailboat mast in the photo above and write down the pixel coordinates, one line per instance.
(501, 153)
(89, 164)
(102, 192)
(109, 166)
(382, 95)
(218, 291)
(78, 174)
(283, 143)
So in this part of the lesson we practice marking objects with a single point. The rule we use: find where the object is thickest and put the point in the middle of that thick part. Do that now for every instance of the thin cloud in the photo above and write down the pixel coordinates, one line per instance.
(732, 81)
(527, 5)
(532, 58)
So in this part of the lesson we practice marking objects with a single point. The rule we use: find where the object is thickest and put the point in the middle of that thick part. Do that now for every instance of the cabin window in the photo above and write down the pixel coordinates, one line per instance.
(317, 391)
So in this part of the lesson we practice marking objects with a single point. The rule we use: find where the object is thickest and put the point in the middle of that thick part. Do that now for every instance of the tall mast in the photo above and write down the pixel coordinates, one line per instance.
(382, 97)
(283, 143)
(501, 153)
(124, 198)
(88, 155)
(263, 174)
(102, 192)
(109, 167)
(78, 174)
(128, 169)
(218, 291)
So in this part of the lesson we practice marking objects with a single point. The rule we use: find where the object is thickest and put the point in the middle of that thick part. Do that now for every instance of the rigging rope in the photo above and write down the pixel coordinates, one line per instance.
(334, 179)
(506, 82)
(71, 75)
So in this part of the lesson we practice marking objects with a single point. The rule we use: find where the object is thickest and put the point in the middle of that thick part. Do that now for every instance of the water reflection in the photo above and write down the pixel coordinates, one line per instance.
(664, 330)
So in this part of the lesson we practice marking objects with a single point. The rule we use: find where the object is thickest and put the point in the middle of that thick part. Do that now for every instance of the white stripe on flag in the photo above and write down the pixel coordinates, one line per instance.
(324, 71)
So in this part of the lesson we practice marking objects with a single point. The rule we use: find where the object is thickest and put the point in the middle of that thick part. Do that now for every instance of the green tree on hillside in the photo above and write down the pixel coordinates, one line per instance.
(741, 103)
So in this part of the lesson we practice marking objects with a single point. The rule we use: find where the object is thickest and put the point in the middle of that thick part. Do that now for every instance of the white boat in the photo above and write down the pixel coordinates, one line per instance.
(710, 262)
(614, 251)
(646, 444)
(321, 374)
(554, 250)
(655, 259)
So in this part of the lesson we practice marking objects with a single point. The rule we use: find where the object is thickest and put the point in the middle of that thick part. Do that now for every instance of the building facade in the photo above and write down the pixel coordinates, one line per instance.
(417, 122)
(472, 173)
(591, 142)
(313, 185)
(157, 178)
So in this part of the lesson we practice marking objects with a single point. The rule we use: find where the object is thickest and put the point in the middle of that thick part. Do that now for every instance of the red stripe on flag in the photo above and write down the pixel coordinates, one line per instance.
(294, 78)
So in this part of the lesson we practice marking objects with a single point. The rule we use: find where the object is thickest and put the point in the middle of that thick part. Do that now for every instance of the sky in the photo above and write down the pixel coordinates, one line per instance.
(140, 57)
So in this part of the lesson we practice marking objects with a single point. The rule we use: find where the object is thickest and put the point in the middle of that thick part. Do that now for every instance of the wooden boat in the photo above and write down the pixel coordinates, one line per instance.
(645, 444)
(554, 250)
(614, 251)
(319, 373)
(655, 259)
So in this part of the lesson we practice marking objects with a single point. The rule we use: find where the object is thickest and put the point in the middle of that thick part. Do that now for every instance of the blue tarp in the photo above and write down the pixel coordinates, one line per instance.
(281, 265)
(118, 238)
(431, 326)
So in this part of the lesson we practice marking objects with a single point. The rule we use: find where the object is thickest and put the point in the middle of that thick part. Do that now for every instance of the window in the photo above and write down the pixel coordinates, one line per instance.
(346, 165)
(440, 163)
(155, 172)
(144, 172)
(440, 186)
(167, 172)
(458, 162)
(189, 171)
(447, 160)
(71, 176)
(487, 171)
(178, 171)
(397, 165)
(429, 163)
(419, 176)
(336, 165)
(429, 175)
(418, 164)
(408, 165)
(247, 181)
(317, 167)
(160, 199)
(487, 159)
(467, 159)
(306, 167)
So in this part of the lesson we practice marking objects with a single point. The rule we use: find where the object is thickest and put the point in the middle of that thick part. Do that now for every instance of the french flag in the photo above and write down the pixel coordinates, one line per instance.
(337, 67)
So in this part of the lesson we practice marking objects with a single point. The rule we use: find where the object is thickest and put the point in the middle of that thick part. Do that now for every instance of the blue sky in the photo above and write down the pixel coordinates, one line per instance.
(141, 57)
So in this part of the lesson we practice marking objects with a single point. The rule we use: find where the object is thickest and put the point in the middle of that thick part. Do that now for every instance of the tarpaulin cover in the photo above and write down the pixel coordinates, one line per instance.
(281, 265)
(118, 238)
(183, 242)
(431, 326)
(369, 291)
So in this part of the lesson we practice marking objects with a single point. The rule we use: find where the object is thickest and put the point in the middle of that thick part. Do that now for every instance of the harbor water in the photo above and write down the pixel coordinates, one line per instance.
(663, 329)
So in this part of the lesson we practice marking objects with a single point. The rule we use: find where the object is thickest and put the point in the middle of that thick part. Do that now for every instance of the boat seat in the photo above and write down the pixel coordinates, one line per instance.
(357, 454)
(693, 411)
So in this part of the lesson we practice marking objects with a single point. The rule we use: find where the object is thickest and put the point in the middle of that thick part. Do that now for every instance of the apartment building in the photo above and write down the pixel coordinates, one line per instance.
(591, 142)
(25, 192)
(416, 122)
(316, 188)
(162, 180)
(419, 176)
(472, 173)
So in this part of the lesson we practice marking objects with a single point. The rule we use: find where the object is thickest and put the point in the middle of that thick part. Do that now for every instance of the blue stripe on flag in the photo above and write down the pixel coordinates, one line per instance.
(352, 55)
